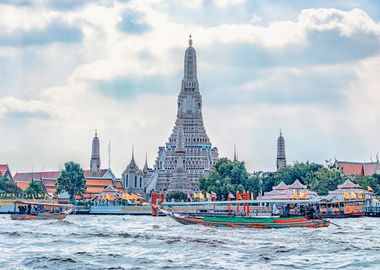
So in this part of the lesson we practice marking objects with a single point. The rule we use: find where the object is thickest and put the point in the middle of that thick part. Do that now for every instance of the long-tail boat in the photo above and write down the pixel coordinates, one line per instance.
(40, 211)
(244, 221)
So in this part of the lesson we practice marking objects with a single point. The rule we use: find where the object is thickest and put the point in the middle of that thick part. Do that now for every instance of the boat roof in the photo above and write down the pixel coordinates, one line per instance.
(44, 204)
(255, 202)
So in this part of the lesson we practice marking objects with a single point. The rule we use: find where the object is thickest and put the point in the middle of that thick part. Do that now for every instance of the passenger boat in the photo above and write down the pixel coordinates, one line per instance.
(40, 211)
(243, 221)
(340, 209)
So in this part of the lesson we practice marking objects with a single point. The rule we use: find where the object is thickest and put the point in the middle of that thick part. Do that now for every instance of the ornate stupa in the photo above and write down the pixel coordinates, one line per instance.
(281, 159)
(188, 154)
(95, 157)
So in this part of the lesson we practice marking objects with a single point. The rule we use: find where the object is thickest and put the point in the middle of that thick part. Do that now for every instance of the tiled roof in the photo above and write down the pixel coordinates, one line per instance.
(349, 185)
(280, 186)
(94, 189)
(87, 173)
(3, 169)
(23, 184)
(297, 185)
(99, 182)
(358, 168)
(36, 175)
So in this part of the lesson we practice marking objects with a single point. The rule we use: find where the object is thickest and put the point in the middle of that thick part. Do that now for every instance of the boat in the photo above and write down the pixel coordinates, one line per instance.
(246, 221)
(341, 209)
(24, 210)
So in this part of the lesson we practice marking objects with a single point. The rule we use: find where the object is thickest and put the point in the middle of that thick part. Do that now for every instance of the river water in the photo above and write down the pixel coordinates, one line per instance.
(145, 242)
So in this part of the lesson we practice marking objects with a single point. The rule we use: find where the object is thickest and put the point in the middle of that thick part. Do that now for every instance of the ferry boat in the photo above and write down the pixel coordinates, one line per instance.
(24, 210)
(340, 209)
(246, 221)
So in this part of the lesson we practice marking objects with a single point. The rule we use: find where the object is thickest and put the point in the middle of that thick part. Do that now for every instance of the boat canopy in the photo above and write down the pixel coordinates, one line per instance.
(43, 204)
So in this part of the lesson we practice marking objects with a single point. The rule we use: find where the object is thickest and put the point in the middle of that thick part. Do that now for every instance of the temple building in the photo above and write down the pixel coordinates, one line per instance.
(347, 190)
(5, 171)
(95, 157)
(96, 178)
(294, 191)
(281, 158)
(188, 154)
(133, 178)
(358, 168)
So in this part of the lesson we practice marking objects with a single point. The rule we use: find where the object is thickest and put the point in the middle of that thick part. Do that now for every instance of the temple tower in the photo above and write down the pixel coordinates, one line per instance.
(188, 154)
(132, 177)
(281, 159)
(95, 157)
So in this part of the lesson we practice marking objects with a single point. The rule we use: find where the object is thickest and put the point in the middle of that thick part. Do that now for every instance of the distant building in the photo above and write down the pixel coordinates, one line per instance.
(133, 178)
(95, 157)
(5, 171)
(347, 190)
(96, 178)
(289, 192)
(281, 158)
(358, 168)
(188, 154)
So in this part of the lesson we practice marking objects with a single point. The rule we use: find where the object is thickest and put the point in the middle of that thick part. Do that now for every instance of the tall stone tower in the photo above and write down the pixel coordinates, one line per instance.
(281, 159)
(188, 154)
(95, 157)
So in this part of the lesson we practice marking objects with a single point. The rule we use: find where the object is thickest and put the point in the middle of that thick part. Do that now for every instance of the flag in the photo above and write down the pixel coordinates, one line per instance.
(346, 195)
(295, 195)
(238, 196)
(195, 195)
(189, 197)
(201, 196)
(208, 195)
(353, 195)
(231, 196)
(369, 189)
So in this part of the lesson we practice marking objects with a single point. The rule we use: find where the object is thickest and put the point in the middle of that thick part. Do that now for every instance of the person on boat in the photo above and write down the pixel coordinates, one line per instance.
(286, 212)
(29, 209)
(311, 213)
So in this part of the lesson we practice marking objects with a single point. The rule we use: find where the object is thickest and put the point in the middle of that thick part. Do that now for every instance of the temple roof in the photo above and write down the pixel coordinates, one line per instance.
(348, 184)
(4, 168)
(358, 168)
(297, 185)
(280, 186)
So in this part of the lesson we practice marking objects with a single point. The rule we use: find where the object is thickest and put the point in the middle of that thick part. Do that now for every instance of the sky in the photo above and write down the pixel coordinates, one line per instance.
(68, 68)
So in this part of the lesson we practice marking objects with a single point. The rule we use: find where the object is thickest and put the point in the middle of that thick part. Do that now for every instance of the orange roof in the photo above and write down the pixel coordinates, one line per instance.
(3, 169)
(98, 182)
(351, 168)
(29, 176)
(93, 189)
(23, 185)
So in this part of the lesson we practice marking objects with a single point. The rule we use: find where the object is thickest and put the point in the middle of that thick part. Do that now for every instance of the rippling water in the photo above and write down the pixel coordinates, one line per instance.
(142, 242)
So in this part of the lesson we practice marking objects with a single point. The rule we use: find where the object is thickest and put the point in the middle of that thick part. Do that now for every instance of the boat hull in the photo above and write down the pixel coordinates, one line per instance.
(264, 223)
(40, 216)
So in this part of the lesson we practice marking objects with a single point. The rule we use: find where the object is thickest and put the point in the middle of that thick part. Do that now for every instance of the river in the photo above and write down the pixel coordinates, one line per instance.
(145, 242)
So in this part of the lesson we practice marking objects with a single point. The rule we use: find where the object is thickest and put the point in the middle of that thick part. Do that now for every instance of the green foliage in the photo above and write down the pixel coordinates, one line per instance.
(36, 189)
(369, 181)
(72, 180)
(229, 176)
(177, 195)
(9, 187)
(326, 179)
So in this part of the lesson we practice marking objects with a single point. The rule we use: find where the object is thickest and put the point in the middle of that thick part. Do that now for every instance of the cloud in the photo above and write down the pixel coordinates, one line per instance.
(54, 32)
(133, 22)
(17, 109)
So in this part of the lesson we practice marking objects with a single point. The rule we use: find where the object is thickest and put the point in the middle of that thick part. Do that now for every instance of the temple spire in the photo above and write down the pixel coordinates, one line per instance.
(95, 156)
(235, 155)
(145, 169)
(190, 41)
(281, 158)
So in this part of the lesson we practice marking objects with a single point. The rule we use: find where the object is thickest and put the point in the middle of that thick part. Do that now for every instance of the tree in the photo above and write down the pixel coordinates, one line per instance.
(9, 187)
(229, 177)
(326, 179)
(177, 195)
(72, 180)
(36, 189)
